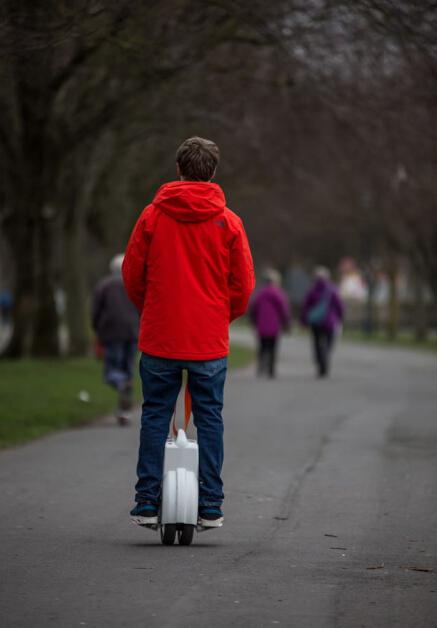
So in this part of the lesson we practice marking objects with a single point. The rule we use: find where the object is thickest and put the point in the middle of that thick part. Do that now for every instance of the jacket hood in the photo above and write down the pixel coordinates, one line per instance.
(190, 201)
(322, 286)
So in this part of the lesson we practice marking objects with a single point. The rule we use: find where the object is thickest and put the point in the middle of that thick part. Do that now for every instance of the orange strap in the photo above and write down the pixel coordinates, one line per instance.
(187, 399)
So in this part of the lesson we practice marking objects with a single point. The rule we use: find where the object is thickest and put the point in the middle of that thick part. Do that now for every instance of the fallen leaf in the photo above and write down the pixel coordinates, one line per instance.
(381, 566)
(424, 569)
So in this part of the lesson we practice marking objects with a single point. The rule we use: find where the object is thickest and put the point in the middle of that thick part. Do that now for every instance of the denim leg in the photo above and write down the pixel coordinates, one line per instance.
(113, 371)
(161, 381)
(206, 382)
(129, 352)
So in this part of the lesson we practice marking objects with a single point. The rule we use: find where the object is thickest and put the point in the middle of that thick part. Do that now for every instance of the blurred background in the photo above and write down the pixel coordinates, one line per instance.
(325, 114)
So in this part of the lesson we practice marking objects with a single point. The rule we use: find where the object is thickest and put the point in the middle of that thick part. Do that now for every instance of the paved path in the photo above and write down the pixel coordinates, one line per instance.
(331, 506)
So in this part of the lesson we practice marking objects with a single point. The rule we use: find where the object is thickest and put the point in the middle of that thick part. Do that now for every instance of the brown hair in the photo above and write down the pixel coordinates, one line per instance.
(197, 159)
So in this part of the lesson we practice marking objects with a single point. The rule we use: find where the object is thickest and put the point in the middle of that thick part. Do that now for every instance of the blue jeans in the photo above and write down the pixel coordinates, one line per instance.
(161, 380)
(118, 362)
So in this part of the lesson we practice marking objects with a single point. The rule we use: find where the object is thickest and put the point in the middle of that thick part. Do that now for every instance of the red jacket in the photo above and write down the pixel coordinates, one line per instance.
(189, 270)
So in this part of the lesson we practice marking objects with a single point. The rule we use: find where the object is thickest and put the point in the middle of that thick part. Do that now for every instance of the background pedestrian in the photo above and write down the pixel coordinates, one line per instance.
(115, 322)
(323, 313)
(270, 314)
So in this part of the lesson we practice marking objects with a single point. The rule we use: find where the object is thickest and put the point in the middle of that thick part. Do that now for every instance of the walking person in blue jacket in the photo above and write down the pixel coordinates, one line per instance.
(323, 313)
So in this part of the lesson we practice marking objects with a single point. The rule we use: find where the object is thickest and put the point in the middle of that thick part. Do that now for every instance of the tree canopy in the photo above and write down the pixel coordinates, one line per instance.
(325, 113)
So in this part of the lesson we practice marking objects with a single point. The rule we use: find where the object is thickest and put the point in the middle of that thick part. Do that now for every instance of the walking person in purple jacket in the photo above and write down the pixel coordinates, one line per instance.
(270, 315)
(323, 313)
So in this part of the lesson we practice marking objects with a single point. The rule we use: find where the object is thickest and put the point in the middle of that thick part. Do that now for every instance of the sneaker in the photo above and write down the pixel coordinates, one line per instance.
(210, 517)
(145, 514)
(123, 418)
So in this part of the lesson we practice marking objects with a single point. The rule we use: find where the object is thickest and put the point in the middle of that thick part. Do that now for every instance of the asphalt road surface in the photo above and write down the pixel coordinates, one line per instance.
(330, 512)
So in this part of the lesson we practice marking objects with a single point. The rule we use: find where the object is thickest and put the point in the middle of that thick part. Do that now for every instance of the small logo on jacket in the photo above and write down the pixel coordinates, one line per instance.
(220, 223)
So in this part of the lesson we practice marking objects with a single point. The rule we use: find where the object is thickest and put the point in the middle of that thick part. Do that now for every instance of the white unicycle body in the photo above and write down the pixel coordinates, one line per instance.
(180, 490)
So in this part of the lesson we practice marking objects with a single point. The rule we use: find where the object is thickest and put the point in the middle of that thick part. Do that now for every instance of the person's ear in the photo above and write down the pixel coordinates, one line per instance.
(213, 174)
(178, 170)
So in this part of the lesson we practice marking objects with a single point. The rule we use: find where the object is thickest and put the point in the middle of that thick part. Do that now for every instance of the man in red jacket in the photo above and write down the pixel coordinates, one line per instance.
(189, 270)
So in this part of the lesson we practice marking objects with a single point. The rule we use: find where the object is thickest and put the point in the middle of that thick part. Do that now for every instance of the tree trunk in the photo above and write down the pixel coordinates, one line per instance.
(34, 317)
(76, 288)
(78, 202)
(420, 317)
(21, 242)
(393, 303)
(432, 310)
(369, 319)
(46, 325)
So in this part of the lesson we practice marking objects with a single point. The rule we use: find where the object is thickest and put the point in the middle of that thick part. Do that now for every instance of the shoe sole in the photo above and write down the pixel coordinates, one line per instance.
(153, 521)
(145, 521)
(210, 523)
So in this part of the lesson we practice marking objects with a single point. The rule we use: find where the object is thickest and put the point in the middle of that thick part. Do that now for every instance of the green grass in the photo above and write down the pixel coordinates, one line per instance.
(40, 396)
(405, 339)
(240, 356)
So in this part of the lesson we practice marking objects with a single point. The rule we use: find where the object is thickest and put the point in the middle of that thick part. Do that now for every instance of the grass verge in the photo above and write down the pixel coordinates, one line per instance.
(40, 396)
(404, 340)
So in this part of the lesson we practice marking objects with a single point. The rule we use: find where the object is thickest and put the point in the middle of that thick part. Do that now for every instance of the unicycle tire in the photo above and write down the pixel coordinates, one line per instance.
(185, 535)
(168, 533)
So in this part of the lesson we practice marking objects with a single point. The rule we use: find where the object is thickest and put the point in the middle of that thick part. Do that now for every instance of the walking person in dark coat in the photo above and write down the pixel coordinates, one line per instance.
(115, 320)
(323, 313)
(270, 315)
